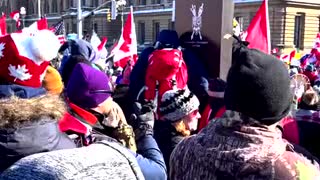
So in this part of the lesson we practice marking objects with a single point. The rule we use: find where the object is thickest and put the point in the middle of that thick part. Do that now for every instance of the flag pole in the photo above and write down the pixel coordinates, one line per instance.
(79, 20)
(39, 9)
(268, 27)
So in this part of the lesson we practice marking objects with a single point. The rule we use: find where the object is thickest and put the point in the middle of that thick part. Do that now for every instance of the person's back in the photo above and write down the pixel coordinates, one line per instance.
(104, 160)
(224, 151)
(246, 142)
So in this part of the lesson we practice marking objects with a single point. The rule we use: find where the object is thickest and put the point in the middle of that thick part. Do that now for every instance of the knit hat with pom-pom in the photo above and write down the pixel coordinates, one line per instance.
(178, 103)
(24, 58)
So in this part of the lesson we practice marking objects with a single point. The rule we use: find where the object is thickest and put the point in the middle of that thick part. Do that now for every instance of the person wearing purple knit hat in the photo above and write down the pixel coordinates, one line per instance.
(94, 117)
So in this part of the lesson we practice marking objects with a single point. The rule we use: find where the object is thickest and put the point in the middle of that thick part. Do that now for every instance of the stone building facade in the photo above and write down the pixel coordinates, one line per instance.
(293, 23)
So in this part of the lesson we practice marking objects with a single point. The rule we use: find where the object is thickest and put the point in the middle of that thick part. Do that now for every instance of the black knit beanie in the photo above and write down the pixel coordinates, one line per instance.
(258, 85)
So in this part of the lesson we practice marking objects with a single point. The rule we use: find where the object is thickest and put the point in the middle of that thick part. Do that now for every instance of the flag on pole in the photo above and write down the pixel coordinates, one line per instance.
(15, 15)
(60, 31)
(287, 58)
(3, 25)
(101, 51)
(258, 32)
(40, 24)
(126, 48)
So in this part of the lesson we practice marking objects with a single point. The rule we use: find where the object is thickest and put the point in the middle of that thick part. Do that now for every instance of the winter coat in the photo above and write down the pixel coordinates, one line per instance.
(238, 147)
(302, 130)
(138, 73)
(197, 75)
(148, 154)
(90, 162)
(29, 126)
(167, 138)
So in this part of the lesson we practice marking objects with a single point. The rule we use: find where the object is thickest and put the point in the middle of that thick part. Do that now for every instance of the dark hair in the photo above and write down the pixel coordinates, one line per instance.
(69, 66)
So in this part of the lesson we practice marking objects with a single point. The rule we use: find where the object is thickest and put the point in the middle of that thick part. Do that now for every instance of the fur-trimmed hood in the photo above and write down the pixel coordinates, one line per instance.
(15, 111)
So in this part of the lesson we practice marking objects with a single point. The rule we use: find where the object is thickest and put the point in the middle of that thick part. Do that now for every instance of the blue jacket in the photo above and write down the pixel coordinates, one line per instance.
(150, 159)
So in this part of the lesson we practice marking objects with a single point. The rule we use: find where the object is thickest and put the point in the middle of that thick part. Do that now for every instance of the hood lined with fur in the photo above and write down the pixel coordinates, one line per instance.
(15, 111)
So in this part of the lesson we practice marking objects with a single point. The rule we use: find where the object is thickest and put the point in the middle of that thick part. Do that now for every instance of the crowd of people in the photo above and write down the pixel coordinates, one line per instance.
(160, 118)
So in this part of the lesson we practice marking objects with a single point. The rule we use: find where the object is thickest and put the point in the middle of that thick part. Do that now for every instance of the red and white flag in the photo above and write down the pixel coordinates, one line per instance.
(287, 58)
(15, 15)
(40, 24)
(258, 32)
(126, 48)
(3, 25)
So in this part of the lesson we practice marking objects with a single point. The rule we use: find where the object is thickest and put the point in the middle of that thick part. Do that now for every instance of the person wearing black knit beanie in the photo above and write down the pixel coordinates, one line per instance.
(246, 142)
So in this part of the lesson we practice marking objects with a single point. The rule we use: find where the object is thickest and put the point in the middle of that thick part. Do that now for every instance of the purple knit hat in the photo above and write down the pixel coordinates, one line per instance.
(88, 87)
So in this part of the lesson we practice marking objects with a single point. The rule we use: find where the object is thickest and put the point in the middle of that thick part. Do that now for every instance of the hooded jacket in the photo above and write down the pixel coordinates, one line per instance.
(238, 147)
(29, 126)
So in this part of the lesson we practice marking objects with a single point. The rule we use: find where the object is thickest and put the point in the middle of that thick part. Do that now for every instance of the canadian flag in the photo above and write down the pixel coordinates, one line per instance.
(258, 32)
(15, 15)
(287, 58)
(99, 47)
(126, 49)
(41, 24)
(3, 25)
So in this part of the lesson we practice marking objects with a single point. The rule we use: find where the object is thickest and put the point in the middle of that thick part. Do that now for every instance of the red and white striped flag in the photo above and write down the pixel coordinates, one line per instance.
(15, 15)
(126, 48)
(59, 30)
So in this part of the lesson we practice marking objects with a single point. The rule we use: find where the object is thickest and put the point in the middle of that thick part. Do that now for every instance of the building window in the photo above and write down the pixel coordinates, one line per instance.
(61, 5)
(31, 8)
(83, 2)
(141, 32)
(46, 7)
(54, 7)
(67, 28)
(142, 2)
(170, 24)
(299, 22)
(156, 1)
(318, 23)
(74, 26)
(96, 3)
(156, 30)
(241, 22)
(95, 27)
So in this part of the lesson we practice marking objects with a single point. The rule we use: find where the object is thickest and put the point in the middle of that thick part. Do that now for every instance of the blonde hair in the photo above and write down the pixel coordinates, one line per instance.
(181, 128)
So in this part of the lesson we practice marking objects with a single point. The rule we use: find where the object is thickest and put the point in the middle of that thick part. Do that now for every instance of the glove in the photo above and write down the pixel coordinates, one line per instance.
(143, 119)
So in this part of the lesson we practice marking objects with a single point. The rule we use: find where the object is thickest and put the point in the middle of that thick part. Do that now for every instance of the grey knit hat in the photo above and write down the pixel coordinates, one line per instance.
(178, 103)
